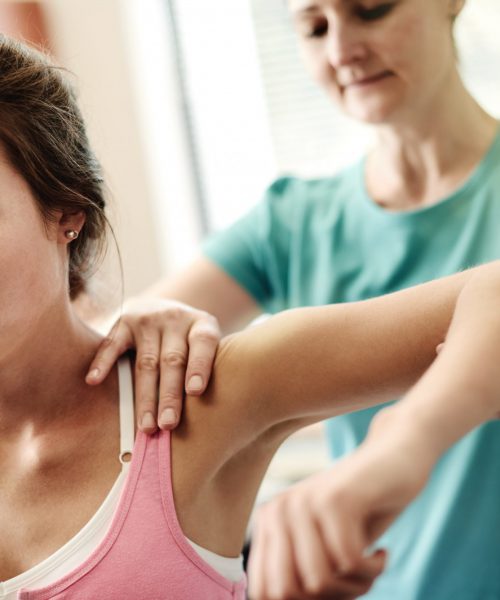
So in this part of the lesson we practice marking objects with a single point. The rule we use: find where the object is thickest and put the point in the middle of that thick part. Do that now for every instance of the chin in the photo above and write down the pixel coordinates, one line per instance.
(374, 111)
(376, 105)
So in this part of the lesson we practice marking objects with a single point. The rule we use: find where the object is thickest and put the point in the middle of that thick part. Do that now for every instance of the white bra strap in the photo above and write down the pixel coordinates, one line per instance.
(127, 418)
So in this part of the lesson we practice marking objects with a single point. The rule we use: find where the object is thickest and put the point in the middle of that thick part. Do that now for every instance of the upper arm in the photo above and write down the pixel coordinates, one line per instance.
(311, 363)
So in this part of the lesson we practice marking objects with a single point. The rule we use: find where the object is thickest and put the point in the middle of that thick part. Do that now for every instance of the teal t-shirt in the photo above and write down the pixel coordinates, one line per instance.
(313, 242)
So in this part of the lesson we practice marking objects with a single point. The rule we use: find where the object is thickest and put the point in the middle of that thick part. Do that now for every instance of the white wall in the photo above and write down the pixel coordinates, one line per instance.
(99, 41)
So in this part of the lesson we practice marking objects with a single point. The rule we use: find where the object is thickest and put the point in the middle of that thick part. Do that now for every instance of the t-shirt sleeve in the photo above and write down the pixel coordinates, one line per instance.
(255, 250)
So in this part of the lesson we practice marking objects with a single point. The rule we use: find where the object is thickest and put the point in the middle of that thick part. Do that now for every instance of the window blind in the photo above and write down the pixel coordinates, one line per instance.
(255, 113)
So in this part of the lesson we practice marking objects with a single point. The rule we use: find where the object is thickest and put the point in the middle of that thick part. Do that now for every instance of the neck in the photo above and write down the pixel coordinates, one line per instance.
(418, 161)
(42, 369)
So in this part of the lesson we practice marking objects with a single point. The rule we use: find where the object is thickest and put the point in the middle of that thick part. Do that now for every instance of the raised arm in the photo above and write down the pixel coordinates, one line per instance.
(338, 514)
(298, 367)
(311, 363)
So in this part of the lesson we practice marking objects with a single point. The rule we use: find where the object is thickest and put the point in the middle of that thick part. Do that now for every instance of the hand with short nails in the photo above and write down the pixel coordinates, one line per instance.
(175, 349)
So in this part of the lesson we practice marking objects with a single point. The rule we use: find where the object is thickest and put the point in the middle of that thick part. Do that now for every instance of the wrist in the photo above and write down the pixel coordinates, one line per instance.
(395, 426)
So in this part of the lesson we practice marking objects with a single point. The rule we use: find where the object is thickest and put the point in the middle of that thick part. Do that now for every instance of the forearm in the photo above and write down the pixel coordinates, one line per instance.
(461, 390)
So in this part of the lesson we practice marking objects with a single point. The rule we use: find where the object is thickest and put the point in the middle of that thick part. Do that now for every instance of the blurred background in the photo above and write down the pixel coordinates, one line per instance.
(194, 107)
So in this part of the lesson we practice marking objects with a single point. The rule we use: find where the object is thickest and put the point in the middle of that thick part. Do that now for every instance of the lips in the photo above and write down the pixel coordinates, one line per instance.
(365, 81)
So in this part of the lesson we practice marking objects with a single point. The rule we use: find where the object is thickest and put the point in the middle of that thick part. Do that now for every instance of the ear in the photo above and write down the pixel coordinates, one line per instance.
(69, 226)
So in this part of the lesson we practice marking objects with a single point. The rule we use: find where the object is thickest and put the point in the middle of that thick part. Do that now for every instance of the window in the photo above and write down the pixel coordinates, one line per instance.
(253, 111)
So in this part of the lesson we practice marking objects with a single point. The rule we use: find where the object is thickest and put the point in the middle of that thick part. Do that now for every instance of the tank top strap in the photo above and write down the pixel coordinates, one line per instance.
(127, 420)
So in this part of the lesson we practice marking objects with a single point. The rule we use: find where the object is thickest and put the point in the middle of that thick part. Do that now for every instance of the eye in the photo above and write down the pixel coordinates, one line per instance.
(373, 14)
(316, 30)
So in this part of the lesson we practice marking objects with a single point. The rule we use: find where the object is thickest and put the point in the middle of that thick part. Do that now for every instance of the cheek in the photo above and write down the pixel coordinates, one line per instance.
(413, 46)
(28, 271)
(398, 45)
(17, 290)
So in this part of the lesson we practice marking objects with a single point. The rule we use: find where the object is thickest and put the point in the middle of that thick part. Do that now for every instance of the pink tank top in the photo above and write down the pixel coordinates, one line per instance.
(144, 555)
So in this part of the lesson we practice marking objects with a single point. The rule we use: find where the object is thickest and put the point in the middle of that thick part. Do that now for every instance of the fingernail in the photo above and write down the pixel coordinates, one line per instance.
(168, 417)
(148, 421)
(195, 384)
(94, 374)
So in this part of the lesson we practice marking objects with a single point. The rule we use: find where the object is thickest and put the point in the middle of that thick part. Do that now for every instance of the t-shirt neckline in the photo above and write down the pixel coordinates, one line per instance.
(463, 192)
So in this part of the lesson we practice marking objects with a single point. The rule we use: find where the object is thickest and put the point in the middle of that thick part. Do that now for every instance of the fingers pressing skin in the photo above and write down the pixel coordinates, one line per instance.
(289, 558)
(314, 563)
(173, 361)
(175, 345)
(340, 526)
(271, 569)
(146, 378)
(203, 339)
(331, 519)
(359, 582)
(119, 340)
(187, 356)
(257, 563)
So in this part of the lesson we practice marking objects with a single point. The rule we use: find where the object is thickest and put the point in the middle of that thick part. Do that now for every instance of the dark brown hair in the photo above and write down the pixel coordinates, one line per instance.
(43, 134)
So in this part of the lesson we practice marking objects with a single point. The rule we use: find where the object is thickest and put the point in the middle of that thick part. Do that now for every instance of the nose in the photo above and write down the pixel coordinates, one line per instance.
(344, 45)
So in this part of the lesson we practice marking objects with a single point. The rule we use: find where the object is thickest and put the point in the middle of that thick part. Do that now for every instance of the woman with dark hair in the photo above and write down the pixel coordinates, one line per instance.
(88, 509)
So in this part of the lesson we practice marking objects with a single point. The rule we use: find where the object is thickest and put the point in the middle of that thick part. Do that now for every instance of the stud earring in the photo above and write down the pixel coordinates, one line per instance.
(71, 234)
